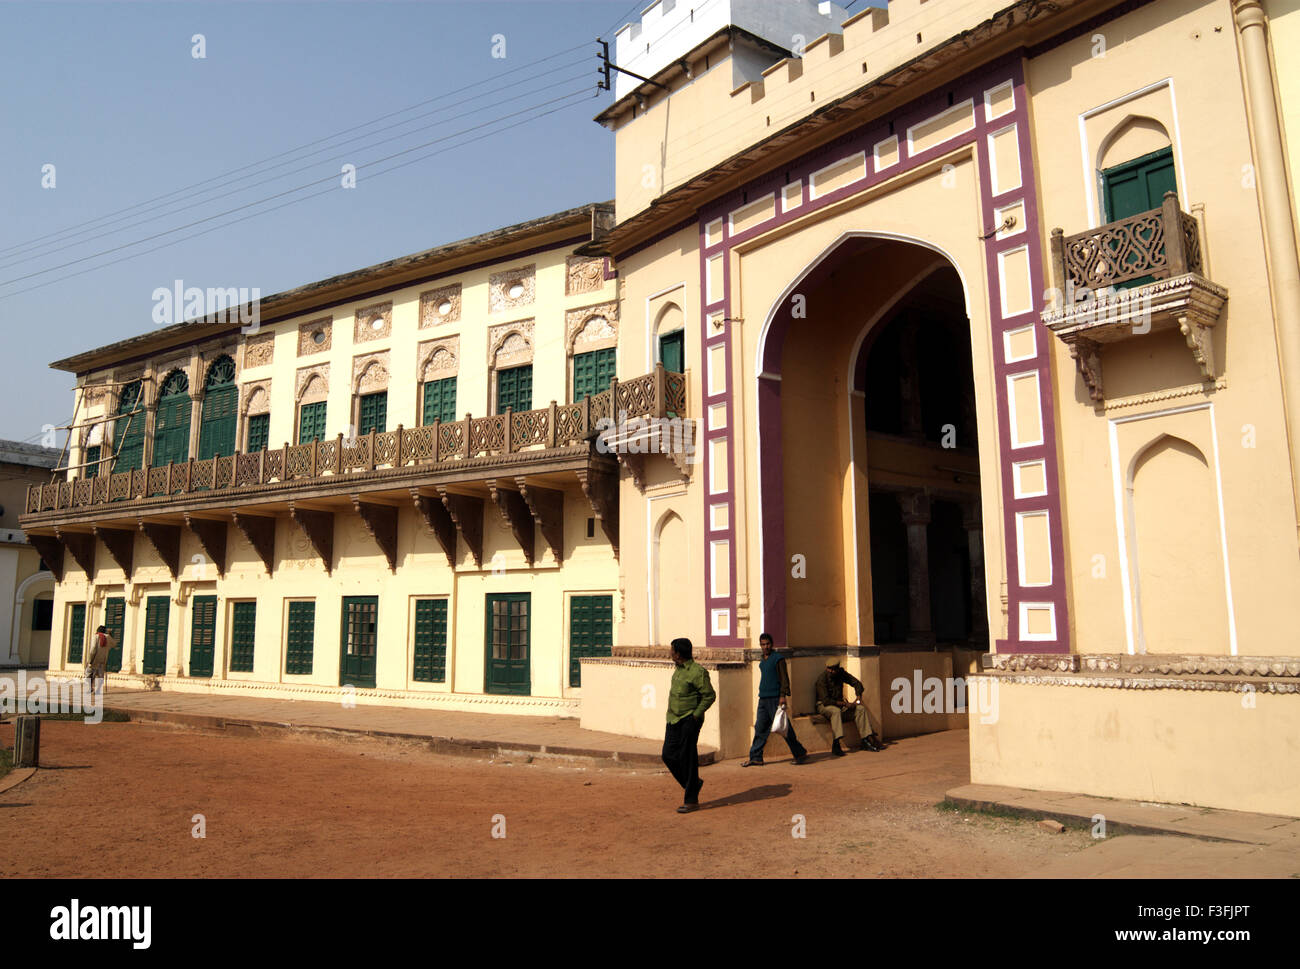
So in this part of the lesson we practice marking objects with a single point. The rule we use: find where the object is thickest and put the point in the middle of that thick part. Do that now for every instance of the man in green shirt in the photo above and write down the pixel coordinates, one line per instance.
(690, 696)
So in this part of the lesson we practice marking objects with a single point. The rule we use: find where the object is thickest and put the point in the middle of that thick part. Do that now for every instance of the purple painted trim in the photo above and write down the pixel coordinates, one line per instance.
(771, 495)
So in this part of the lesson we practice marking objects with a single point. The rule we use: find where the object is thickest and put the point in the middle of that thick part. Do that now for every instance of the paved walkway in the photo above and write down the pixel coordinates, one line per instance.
(480, 734)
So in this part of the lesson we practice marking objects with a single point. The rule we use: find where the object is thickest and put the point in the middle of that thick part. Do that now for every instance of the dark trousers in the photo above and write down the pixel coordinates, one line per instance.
(681, 757)
(763, 726)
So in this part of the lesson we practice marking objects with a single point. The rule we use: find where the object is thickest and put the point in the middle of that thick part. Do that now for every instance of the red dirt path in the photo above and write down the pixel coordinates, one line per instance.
(117, 799)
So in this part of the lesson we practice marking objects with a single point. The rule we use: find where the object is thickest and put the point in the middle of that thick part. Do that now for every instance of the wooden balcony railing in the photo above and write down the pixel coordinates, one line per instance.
(656, 394)
(1160, 243)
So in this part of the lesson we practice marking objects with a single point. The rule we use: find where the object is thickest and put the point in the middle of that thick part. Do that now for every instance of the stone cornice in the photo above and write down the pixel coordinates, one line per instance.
(1148, 664)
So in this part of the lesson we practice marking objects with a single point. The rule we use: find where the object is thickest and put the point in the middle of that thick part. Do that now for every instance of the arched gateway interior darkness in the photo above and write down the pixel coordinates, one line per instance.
(867, 383)
(919, 415)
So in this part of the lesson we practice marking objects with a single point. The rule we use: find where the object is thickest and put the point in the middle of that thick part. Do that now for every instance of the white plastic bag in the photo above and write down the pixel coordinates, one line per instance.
(781, 722)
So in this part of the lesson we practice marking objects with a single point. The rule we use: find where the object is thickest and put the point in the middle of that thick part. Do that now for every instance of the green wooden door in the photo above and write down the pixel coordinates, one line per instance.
(507, 664)
(515, 389)
(259, 433)
(154, 660)
(128, 430)
(171, 428)
(220, 410)
(359, 641)
(592, 372)
(440, 400)
(301, 646)
(90, 462)
(672, 351)
(430, 641)
(76, 632)
(1132, 188)
(311, 422)
(203, 635)
(114, 623)
(591, 631)
(373, 413)
(243, 634)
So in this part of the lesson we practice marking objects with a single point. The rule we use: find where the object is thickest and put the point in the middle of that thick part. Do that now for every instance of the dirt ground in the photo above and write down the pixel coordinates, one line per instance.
(120, 800)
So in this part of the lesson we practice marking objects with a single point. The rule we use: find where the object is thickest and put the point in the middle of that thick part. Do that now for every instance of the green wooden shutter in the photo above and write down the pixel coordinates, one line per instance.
(430, 641)
(114, 622)
(90, 462)
(217, 432)
(259, 433)
(76, 632)
(171, 437)
(311, 422)
(302, 638)
(591, 631)
(203, 635)
(592, 372)
(374, 413)
(1139, 185)
(154, 659)
(672, 351)
(128, 431)
(515, 389)
(440, 400)
(243, 632)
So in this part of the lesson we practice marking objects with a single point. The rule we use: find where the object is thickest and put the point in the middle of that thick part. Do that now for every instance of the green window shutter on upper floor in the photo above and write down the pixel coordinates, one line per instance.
(311, 422)
(592, 372)
(373, 413)
(259, 433)
(440, 400)
(515, 389)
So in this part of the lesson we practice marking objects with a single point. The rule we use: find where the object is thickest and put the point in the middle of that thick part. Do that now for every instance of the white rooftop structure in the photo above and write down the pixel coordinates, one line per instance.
(671, 29)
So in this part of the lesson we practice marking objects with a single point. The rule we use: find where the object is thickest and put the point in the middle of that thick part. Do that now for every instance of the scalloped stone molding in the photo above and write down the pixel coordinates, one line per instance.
(320, 389)
(1148, 683)
(437, 358)
(257, 397)
(1173, 393)
(504, 352)
(370, 372)
(1149, 663)
(589, 325)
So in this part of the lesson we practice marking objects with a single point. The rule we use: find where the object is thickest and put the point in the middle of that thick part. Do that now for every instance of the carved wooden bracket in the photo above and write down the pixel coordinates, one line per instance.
(1200, 340)
(260, 532)
(120, 544)
(318, 526)
(515, 511)
(51, 552)
(212, 536)
(82, 547)
(466, 512)
(601, 489)
(166, 541)
(547, 508)
(438, 520)
(381, 523)
(1087, 355)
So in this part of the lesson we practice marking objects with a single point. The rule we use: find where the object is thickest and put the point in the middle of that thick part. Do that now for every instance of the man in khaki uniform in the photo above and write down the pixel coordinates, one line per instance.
(832, 705)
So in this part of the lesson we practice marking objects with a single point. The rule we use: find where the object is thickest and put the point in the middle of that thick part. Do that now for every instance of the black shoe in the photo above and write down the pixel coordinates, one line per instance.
(801, 759)
(835, 749)
(687, 808)
(752, 763)
(876, 743)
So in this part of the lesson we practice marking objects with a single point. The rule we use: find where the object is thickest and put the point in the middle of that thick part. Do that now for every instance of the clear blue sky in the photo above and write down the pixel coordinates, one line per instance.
(110, 94)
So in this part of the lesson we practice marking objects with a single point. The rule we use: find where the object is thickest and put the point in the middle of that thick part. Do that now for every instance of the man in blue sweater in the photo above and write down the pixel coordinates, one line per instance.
(773, 692)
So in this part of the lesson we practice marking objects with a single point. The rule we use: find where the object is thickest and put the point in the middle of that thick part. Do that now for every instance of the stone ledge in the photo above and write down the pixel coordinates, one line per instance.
(1150, 664)
(1133, 682)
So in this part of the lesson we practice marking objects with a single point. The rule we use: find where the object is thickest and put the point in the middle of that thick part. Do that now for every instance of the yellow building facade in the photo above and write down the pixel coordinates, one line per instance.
(967, 339)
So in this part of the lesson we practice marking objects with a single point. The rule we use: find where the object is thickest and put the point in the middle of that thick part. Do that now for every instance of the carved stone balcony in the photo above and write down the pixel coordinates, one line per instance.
(1158, 254)
(515, 460)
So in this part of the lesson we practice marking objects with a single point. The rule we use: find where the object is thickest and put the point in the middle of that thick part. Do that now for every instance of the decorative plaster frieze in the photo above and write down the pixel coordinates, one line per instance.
(373, 323)
(591, 327)
(583, 275)
(259, 351)
(316, 336)
(370, 372)
(440, 305)
(510, 344)
(1147, 663)
(501, 284)
(257, 397)
(1147, 683)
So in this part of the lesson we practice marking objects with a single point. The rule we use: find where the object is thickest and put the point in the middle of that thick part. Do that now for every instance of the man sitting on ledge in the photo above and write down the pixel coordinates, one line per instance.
(831, 705)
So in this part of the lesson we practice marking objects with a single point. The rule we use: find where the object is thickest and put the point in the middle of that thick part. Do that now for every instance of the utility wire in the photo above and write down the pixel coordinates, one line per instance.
(333, 177)
(290, 151)
(274, 178)
(304, 198)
